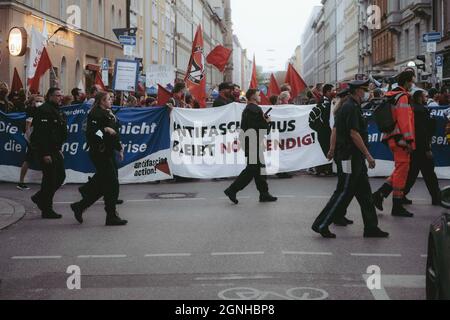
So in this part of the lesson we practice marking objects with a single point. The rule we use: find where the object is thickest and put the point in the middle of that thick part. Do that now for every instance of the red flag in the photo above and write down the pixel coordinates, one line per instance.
(17, 84)
(164, 95)
(296, 82)
(99, 80)
(219, 57)
(196, 74)
(43, 66)
(254, 82)
(274, 88)
(264, 100)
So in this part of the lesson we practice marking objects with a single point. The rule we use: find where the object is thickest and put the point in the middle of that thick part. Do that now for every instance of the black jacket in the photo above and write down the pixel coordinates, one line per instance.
(253, 118)
(49, 130)
(100, 143)
(221, 101)
(425, 127)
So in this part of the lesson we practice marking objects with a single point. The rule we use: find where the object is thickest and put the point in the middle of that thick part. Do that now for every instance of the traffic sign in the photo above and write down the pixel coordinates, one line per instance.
(127, 40)
(125, 32)
(105, 64)
(431, 47)
(439, 60)
(128, 50)
(432, 37)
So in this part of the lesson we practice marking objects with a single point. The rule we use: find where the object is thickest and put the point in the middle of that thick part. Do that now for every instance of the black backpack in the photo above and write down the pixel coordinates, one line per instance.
(382, 114)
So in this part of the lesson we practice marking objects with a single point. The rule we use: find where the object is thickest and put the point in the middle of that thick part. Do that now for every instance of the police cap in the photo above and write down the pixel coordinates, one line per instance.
(359, 84)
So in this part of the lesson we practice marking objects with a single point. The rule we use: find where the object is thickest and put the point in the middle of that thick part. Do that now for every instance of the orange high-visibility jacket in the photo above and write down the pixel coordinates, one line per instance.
(403, 115)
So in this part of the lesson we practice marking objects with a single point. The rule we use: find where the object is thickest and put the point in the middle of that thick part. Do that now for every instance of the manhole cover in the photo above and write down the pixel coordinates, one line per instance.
(170, 196)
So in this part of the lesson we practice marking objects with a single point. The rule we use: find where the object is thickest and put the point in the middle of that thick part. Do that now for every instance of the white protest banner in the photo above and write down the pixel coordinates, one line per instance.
(205, 143)
(126, 74)
(160, 74)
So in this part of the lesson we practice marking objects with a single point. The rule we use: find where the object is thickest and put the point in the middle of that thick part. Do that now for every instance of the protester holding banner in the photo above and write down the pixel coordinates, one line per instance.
(49, 134)
(351, 154)
(178, 96)
(225, 95)
(103, 138)
(33, 103)
(253, 122)
(6, 106)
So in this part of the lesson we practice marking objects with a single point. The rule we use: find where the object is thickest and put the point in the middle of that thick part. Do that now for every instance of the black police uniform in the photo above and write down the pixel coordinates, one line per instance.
(49, 134)
(419, 160)
(320, 122)
(253, 119)
(353, 178)
(102, 151)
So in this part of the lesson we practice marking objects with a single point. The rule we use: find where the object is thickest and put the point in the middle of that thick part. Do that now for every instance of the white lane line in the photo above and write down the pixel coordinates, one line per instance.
(109, 256)
(425, 256)
(36, 257)
(294, 253)
(217, 254)
(233, 277)
(168, 255)
(387, 255)
(187, 199)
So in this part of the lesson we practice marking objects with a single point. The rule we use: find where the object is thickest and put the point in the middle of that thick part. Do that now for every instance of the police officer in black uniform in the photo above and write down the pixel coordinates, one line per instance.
(253, 123)
(351, 155)
(102, 135)
(49, 134)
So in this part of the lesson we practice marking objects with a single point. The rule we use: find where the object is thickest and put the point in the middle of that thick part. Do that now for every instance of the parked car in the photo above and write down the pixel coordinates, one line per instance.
(438, 263)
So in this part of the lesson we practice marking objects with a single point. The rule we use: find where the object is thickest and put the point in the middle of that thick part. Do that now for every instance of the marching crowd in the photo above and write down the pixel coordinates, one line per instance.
(401, 110)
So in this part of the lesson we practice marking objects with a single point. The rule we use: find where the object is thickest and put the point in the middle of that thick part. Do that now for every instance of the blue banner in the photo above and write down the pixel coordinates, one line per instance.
(145, 135)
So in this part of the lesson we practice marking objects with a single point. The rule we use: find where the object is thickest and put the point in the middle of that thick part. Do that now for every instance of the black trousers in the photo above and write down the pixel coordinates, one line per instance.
(251, 172)
(350, 185)
(420, 163)
(53, 177)
(105, 183)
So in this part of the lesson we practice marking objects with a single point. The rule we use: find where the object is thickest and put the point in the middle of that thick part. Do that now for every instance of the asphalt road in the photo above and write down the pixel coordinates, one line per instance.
(187, 241)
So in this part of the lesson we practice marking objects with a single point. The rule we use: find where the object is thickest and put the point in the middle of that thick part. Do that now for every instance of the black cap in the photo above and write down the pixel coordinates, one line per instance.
(226, 86)
(360, 84)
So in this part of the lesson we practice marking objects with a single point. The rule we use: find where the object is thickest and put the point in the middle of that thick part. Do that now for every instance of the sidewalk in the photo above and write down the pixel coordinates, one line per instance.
(10, 213)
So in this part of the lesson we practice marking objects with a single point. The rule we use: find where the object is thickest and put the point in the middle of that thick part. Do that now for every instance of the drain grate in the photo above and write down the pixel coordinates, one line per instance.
(172, 195)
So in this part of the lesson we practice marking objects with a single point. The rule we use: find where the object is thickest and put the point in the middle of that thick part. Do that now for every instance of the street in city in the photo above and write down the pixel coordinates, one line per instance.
(186, 241)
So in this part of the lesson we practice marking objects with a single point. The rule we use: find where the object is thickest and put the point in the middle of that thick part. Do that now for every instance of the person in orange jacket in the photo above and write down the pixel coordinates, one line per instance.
(402, 143)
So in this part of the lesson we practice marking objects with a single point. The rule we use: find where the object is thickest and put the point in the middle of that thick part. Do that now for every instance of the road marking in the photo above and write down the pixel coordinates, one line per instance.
(168, 255)
(233, 277)
(36, 257)
(400, 282)
(318, 197)
(293, 253)
(110, 256)
(237, 253)
(387, 255)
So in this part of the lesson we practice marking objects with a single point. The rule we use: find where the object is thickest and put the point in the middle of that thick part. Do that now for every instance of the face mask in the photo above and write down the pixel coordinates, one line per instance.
(38, 104)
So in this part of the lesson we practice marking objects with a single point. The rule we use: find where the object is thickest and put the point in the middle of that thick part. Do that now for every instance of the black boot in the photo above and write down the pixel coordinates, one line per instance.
(375, 233)
(37, 202)
(343, 222)
(325, 233)
(267, 197)
(51, 215)
(232, 196)
(399, 211)
(380, 195)
(406, 201)
(78, 212)
(113, 220)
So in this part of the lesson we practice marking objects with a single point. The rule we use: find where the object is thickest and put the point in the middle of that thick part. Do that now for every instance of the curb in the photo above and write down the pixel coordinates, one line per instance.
(10, 213)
